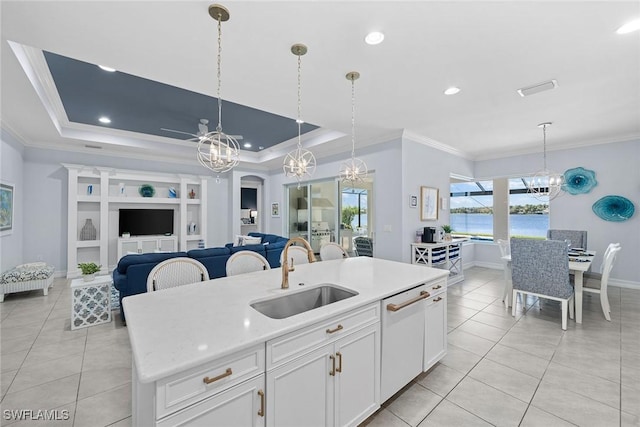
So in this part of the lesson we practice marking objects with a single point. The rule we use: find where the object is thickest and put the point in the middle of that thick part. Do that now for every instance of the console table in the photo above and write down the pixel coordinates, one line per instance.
(445, 255)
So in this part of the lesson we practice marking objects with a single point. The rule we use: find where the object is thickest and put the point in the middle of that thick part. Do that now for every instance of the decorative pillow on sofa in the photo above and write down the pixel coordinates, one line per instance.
(246, 240)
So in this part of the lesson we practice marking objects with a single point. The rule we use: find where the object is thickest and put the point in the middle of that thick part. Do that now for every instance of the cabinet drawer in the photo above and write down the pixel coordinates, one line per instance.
(287, 347)
(437, 288)
(181, 390)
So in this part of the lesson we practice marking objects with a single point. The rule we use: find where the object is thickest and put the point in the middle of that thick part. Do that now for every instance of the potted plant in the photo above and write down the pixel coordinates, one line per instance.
(89, 269)
(447, 232)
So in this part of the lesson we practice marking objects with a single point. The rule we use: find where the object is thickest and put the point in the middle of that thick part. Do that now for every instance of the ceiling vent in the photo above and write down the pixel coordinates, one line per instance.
(97, 147)
(540, 87)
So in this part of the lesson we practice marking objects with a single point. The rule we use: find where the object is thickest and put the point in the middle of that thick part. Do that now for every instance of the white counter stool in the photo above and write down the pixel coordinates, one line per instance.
(176, 272)
(246, 262)
(332, 250)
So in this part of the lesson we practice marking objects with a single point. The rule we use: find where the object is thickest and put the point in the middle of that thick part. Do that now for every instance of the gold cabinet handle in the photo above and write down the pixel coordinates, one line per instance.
(208, 380)
(396, 307)
(338, 328)
(437, 287)
(332, 372)
(261, 411)
(437, 299)
(339, 368)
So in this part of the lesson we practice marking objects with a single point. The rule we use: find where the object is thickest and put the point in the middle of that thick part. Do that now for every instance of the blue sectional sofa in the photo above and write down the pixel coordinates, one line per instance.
(130, 275)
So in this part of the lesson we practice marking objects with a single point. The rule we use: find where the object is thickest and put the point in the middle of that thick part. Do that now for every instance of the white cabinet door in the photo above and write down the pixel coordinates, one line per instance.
(357, 379)
(148, 245)
(242, 405)
(435, 343)
(167, 244)
(301, 391)
(402, 339)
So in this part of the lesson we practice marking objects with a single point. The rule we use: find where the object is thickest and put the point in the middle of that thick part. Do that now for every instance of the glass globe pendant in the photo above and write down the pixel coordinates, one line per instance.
(545, 185)
(354, 170)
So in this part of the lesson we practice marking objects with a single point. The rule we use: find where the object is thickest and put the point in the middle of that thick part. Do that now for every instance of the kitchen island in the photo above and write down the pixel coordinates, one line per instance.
(202, 355)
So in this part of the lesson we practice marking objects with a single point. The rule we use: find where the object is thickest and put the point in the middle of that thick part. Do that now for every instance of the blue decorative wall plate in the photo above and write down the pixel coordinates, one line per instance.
(614, 208)
(579, 180)
(146, 190)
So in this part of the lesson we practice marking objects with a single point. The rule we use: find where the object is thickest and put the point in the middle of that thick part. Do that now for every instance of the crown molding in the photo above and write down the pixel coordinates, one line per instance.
(435, 144)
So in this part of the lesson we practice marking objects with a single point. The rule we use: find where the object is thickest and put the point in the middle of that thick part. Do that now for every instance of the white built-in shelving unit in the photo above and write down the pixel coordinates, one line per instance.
(106, 197)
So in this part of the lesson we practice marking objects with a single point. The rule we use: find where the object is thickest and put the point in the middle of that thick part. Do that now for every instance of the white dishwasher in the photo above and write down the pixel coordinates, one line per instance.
(403, 335)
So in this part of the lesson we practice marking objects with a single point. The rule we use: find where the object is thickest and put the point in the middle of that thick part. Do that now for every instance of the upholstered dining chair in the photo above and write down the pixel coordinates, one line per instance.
(176, 272)
(541, 268)
(332, 250)
(364, 246)
(578, 238)
(298, 253)
(246, 262)
(596, 287)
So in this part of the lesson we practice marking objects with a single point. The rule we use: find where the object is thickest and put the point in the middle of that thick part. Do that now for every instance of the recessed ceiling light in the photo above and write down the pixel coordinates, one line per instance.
(261, 148)
(629, 27)
(104, 119)
(247, 145)
(374, 37)
(452, 90)
(109, 69)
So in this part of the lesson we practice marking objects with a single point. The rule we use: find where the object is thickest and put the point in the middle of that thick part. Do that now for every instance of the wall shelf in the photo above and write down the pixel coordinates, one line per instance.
(104, 202)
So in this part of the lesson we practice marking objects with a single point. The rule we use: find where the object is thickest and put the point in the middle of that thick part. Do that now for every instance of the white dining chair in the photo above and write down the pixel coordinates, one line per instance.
(176, 272)
(298, 253)
(595, 287)
(246, 262)
(332, 250)
(505, 250)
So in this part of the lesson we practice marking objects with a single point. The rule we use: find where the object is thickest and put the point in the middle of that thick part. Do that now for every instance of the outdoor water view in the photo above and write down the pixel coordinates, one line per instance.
(472, 210)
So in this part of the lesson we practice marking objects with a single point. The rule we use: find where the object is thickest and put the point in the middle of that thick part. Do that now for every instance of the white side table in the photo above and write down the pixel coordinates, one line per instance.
(90, 302)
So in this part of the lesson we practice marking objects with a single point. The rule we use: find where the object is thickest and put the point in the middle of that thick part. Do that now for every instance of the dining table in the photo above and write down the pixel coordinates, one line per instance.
(579, 263)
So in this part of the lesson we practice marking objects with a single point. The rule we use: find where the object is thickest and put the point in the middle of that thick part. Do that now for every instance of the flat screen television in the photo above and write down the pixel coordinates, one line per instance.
(145, 222)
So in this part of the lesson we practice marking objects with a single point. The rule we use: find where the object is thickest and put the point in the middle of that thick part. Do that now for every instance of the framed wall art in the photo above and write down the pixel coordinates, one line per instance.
(428, 204)
(6, 208)
(275, 209)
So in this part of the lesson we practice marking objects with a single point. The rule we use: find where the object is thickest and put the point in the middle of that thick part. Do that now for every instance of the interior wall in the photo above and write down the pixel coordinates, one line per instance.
(12, 172)
(386, 160)
(617, 173)
(45, 184)
(423, 165)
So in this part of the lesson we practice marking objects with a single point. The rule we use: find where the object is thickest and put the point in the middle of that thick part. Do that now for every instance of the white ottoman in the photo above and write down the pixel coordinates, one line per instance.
(26, 277)
(90, 302)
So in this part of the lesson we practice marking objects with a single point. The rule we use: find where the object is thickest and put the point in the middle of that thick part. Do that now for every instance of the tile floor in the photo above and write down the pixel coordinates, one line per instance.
(498, 371)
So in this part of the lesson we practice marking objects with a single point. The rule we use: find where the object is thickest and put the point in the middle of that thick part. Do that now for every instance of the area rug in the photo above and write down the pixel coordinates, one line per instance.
(115, 298)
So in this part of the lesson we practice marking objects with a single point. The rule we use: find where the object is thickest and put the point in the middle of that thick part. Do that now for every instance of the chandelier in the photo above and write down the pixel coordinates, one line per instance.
(299, 162)
(216, 150)
(353, 170)
(545, 185)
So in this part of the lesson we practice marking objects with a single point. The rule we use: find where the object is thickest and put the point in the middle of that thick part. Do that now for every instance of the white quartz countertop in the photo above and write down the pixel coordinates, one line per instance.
(179, 328)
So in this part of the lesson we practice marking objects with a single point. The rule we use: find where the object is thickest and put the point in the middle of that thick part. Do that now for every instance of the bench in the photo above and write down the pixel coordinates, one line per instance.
(26, 277)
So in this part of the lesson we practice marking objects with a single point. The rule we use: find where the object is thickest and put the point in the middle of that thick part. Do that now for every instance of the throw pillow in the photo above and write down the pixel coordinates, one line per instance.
(250, 240)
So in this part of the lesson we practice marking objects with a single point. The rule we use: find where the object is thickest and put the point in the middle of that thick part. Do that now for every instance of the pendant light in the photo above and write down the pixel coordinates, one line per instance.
(299, 163)
(354, 170)
(216, 150)
(545, 185)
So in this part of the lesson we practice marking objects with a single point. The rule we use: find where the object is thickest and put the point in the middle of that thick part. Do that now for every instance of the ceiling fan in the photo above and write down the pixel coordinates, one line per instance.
(203, 129)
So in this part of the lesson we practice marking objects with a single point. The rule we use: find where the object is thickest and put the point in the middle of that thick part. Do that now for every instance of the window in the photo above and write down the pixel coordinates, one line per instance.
(471, 209)
(528, 216)
(354, 209)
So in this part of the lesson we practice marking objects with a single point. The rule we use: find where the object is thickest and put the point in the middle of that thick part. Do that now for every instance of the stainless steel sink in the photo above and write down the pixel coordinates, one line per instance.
(300, 302)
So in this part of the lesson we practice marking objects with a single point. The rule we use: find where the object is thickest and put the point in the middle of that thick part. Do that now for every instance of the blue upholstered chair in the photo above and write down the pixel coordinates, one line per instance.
(578, 238)
(364, 246)
(541, 268)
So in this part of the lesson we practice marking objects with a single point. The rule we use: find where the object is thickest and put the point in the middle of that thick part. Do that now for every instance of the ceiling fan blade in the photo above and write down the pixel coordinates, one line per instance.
(178, 131)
